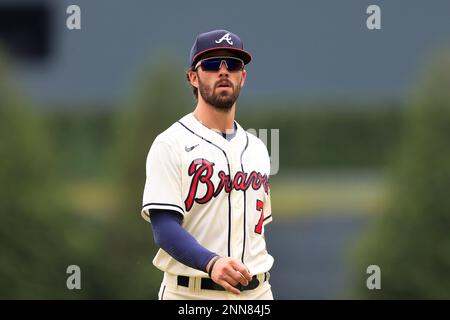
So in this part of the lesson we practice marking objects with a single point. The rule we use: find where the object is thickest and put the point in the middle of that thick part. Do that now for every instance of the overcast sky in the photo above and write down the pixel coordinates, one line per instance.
(302, 49)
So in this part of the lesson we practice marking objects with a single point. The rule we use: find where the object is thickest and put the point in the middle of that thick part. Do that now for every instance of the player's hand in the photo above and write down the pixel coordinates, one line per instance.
(228, 272)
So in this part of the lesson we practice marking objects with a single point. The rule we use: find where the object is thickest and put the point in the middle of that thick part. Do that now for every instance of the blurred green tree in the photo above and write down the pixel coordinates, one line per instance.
(411, 241)
(161, 98)
(33, 259)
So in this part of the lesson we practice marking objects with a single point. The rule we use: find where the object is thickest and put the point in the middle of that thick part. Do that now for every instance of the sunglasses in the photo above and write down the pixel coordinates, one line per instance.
(214, 64)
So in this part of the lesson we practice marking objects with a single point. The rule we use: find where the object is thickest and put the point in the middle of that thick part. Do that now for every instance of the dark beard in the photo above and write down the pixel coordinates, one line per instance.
(221, 101)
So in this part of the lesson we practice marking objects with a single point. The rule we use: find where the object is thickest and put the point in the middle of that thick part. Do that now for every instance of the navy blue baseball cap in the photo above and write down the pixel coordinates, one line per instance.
(218, 40)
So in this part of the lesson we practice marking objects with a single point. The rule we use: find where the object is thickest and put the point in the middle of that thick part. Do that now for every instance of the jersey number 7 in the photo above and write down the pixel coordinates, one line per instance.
(259, 207)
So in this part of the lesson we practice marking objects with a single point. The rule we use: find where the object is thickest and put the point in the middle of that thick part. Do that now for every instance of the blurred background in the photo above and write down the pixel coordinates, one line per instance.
(364, 120)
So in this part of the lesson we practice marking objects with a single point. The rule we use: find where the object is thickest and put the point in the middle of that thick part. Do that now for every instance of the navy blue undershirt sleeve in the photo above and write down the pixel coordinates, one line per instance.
(170, 236)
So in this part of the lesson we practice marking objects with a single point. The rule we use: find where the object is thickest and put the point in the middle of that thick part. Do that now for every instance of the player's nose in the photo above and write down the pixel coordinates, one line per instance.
(223, 69)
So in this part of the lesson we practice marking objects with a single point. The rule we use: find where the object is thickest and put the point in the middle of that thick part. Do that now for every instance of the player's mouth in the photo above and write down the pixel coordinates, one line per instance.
(223, 85)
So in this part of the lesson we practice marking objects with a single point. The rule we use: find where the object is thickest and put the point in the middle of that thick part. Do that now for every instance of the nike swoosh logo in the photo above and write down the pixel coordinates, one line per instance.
(188, 149)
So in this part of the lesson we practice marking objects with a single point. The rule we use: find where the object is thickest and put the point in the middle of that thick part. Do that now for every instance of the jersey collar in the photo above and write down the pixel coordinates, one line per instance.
(239, 141)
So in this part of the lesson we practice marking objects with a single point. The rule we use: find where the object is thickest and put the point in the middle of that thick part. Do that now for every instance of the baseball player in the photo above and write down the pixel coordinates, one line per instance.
(207, 189)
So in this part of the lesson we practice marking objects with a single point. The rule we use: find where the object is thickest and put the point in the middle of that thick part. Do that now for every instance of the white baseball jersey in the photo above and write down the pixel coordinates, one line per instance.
(220, 187)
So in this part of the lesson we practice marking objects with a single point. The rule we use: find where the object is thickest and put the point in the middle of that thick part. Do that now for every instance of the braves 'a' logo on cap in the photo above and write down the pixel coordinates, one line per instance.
(227, 38)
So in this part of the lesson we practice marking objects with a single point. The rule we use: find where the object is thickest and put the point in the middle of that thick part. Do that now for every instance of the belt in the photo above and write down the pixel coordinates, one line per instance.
(209, 284)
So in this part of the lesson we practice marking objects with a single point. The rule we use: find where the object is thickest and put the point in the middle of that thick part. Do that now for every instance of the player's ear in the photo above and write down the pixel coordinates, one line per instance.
(244, 75)
(192, 77)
